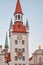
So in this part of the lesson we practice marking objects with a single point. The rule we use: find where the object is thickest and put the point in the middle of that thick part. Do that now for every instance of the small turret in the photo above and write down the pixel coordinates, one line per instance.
(27, 26)
(6, 41)
(27, 23)
(11, 27)
(39, 46)
(6, 46)
(11, 23)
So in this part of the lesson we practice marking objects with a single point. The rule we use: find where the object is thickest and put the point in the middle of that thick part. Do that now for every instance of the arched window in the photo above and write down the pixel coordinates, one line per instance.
(19, 17)
(16, 16)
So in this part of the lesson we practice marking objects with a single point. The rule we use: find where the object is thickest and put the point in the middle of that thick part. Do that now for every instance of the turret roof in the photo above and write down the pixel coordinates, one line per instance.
(6, 41)
(18, 8)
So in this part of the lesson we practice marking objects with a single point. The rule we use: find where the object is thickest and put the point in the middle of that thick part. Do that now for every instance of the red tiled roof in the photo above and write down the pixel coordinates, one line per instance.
(18, 8)
(30, 58)
(19, 27)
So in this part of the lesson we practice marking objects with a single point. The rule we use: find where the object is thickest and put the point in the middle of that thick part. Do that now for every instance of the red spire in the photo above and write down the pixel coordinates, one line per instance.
(18, 8)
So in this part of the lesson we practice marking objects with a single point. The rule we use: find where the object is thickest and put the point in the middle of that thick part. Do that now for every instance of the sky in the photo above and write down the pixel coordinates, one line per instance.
(33, 11)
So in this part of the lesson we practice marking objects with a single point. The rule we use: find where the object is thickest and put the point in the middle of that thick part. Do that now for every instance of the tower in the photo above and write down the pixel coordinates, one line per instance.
(18, 35)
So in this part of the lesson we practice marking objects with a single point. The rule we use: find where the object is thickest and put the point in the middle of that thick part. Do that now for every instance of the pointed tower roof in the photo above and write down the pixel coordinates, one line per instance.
(11, 22)
(27, 23)
(18, 8)
(6, 41)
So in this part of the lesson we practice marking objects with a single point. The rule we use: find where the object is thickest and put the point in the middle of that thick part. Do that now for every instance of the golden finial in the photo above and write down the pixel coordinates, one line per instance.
(39, 46)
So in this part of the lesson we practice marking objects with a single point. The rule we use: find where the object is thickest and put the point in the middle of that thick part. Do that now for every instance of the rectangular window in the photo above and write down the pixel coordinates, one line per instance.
(23, 64)
(15, 64)
(23, 49)
(22, 41)
(15, 49)
(19, 64)
(15, 41)
(16, 58)
(23, 58)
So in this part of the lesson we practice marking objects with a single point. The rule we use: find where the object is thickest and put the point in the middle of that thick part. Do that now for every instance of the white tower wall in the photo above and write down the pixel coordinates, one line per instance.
(19, 45)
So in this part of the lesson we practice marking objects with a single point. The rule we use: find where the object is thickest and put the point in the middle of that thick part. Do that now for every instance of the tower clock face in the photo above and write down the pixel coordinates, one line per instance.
(19, 37)
(19, 53)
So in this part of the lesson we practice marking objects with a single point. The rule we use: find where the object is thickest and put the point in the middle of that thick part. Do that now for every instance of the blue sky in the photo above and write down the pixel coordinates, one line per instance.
(33, 11)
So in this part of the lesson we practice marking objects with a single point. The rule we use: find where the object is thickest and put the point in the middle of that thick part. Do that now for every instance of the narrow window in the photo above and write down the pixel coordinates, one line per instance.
(23, 58)
(16, 16)
(15, 49)
(19, 17)
(15, 64)
(15, 41)
(22, 41)
(19, 64)
(23, 49)
(16, 58)
(23, 64)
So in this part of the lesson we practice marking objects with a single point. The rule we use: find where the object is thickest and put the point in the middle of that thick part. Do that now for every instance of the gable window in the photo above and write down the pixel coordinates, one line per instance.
(15, 41)
(19, 26)
(19, 17)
